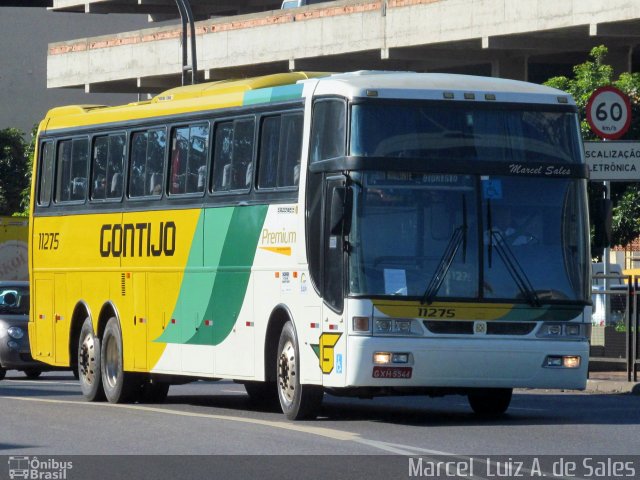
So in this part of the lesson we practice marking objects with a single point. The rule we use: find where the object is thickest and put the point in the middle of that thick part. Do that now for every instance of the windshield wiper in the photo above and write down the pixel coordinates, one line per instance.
(513, 267)
(458, 239)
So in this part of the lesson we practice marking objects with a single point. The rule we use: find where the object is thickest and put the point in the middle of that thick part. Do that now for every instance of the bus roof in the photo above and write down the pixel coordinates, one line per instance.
(190, 98)
(283, 86)
(439, 86)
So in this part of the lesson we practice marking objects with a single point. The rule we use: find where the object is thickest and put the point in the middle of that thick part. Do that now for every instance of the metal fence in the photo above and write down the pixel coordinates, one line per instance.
(615, 333)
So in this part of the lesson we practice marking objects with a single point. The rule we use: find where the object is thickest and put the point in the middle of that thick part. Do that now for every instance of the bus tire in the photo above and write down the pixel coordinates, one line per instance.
(297, 401)
(490, 402)
(119, 386)
(3, 372)
(89, 371)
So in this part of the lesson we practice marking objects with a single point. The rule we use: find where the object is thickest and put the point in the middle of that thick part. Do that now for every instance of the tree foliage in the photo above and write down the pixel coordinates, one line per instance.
(30, 151)
(587, 77)
(13, 170)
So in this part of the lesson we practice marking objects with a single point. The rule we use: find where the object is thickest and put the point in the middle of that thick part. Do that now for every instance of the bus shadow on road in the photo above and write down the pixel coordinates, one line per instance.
(525, 409)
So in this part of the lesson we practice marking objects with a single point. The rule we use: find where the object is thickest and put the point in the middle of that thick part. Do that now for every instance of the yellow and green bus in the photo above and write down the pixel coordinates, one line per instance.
(367, 233)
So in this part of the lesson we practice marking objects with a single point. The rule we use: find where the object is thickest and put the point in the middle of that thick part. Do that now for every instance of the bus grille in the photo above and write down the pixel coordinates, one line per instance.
(466, 327)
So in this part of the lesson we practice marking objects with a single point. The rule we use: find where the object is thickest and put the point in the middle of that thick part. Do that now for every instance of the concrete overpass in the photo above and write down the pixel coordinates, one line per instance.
(522, 39)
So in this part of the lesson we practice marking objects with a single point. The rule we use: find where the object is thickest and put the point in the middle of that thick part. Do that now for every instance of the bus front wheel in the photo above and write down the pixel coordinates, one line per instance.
(119, 386)
(89, 373)
(297, 401)
(490, 402)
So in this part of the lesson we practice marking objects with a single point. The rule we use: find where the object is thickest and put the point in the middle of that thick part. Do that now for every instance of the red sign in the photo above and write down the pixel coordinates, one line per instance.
(609, 113)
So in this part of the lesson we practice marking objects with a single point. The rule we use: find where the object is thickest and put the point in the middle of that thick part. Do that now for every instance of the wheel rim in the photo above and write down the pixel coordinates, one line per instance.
(287, 372)
(87, 364)
(111, 362)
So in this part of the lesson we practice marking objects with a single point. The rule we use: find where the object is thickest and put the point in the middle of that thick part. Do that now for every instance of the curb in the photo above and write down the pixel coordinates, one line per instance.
(612, 386)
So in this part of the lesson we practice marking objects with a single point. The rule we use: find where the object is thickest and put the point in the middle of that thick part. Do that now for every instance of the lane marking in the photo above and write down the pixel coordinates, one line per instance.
(400, 449)
(39, 382)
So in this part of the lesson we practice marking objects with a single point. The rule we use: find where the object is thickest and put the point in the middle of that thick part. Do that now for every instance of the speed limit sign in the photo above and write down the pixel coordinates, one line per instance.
(609, 113)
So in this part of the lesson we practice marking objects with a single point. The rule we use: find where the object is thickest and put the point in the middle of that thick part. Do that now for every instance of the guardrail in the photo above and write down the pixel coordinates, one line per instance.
(615, 333)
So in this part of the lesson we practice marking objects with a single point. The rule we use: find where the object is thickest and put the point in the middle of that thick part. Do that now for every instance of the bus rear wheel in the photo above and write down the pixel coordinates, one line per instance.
(297, 401)
(490, 402)
(89, 372)
(119, 386)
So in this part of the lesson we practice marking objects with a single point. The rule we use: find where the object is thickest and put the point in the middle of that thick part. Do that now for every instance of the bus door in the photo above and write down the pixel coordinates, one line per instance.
(333, 340)
(43, 318)
(140, 320)
(61, 320)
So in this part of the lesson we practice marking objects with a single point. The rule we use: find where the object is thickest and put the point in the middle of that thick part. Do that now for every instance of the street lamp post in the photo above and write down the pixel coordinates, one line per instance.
(186, 15)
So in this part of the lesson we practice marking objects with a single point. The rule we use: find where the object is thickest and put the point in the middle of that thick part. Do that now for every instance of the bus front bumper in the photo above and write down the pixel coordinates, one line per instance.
(466, 363)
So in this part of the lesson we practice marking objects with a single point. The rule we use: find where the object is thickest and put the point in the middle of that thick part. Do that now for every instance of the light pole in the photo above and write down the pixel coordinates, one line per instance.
(186, 15)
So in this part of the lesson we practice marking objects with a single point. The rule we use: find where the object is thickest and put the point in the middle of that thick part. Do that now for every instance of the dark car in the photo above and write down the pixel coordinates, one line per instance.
(14, 335)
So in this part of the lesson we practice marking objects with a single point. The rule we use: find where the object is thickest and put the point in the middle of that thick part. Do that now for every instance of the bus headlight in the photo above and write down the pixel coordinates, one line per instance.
(381, 358)
(562, 330)
(562, 361)
(572, 330)
(383, 325)
(15, 332)
(390, 326)
(385, 358)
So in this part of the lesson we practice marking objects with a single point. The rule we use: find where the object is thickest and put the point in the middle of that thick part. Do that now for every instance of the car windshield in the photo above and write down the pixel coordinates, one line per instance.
(14, 299)
(468, 237)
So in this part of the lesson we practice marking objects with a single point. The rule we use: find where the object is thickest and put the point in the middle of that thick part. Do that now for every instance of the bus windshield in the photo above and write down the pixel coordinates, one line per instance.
(437, 130)
(450, 236)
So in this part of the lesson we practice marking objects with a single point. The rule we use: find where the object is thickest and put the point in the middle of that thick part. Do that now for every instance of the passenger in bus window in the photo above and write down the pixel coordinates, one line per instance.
(116, 185)
(99, 187)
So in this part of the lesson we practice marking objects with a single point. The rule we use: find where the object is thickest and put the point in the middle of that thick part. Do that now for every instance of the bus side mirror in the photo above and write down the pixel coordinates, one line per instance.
(340, 216)
(603, 218)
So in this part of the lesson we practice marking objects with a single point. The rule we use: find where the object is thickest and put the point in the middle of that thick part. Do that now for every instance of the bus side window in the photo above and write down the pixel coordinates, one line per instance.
(115, 165)
(155, 161)
(63, 163)
(71, 170)
(269, 146)
(223, 137)
(138, 161)
(189, 150)
(46, 169)
(233, 155)
(147, 163)
(290, 150)
(99, 168)
(280, 151)
(242, 163)
(328, 135)
(79, 164)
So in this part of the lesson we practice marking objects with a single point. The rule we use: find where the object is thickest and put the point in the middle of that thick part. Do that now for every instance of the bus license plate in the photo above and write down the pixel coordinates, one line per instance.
(392, 372)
